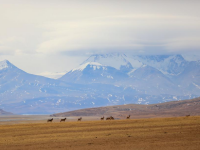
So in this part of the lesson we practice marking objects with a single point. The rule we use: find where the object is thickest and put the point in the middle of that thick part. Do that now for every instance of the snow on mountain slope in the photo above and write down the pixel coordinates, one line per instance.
(152, 81)
(101, 85)
(94, 65)
(17, 85)
(170, 65)
(157, 71)
(115, 60)
(189, 79)
(93, 72)
(6, 65)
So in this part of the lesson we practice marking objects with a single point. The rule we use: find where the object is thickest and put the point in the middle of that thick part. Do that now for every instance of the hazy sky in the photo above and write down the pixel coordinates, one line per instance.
(41, 36)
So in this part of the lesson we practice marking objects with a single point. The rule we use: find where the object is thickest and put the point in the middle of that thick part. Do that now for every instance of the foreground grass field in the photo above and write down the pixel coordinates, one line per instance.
(165, 133)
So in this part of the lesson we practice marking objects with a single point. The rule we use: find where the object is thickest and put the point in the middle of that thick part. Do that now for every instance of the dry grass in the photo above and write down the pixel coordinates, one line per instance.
(160, 133)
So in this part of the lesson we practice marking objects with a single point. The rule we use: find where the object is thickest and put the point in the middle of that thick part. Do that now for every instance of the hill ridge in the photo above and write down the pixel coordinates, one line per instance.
(167, 109)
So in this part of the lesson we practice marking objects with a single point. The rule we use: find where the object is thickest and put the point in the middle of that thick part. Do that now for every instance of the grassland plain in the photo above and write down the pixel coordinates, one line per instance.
(178, 133)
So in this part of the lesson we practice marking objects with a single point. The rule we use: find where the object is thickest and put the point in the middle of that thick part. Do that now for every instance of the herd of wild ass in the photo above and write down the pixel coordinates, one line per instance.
(102, 118)
(79, 119)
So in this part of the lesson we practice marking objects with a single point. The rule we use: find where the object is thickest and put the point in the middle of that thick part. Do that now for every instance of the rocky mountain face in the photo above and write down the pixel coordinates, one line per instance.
(101, 80)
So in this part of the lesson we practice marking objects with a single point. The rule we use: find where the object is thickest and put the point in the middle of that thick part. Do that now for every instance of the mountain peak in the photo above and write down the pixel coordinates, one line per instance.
(83, 66)
(179, 57)
(5, 64)
(116, 60)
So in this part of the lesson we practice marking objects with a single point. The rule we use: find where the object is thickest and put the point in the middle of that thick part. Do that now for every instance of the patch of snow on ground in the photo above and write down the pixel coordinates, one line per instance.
(57, 103)
(110, 77)
(196, 85)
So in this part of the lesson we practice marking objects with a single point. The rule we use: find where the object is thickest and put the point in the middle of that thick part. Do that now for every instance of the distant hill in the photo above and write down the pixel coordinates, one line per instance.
(168, 109)
(2, 112)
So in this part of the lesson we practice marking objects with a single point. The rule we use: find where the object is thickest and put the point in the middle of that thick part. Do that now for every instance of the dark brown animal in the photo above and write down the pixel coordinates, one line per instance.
(50, 120)
(102, 118)
(79, 119)
(63, 119)
(188, 115)
(128, 117)
(110, 118)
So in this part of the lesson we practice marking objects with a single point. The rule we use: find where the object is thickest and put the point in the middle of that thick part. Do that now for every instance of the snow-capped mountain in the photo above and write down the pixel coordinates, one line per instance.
(155, 74)
(152, 81)
(101, 80)
(93, 72)
(23, 93)
(189, 79)
(115, 60)
(170, 65)
(17, 85)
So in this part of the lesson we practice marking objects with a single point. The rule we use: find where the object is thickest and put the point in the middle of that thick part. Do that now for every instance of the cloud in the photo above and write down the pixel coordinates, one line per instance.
(121, 33)
(90, 26)
(54, 75)
(47, 34)
(4, 50)
(184, 44)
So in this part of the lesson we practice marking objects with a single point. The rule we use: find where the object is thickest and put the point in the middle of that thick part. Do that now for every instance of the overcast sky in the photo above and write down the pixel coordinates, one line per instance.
(42, 36)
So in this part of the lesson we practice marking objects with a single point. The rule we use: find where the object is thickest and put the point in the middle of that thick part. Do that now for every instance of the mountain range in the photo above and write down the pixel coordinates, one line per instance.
(101, 80)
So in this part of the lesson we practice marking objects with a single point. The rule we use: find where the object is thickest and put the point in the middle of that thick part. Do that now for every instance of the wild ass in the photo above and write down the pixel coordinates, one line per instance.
(79, 119)
(128, 117)
(50, 120)
(63, 119)
(110, 118)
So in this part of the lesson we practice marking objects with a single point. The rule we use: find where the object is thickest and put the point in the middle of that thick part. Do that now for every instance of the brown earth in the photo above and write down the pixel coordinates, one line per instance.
(168, 109)
(177, 133)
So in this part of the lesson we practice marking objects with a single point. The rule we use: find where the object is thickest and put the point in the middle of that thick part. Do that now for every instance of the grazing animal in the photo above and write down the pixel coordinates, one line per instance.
(112, 118)
(79, 119)
(102, 118)
(187, 115)
(50, 120)
(108, 118)
(63, 119)
(128, 117)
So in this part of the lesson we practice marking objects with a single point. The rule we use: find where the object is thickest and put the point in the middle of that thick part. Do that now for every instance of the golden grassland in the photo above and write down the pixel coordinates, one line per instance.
(159, 133)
